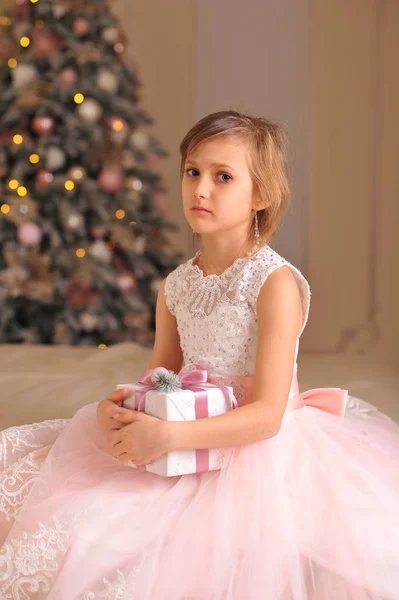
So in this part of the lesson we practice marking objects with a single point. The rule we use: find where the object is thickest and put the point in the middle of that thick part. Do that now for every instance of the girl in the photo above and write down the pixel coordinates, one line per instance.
(307, 507)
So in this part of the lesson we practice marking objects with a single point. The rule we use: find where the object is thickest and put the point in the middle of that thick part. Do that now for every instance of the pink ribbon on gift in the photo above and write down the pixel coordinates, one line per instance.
(196, 380)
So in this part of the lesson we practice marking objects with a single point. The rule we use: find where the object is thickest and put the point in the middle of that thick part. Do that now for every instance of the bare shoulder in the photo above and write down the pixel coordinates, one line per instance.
(280, 295)
(280, 282)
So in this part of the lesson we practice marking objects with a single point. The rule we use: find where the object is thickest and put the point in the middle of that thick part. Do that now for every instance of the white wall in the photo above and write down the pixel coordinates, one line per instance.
(254, 56)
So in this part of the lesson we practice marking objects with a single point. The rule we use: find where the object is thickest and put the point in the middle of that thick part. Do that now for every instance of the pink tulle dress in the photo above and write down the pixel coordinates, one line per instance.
(310, 514)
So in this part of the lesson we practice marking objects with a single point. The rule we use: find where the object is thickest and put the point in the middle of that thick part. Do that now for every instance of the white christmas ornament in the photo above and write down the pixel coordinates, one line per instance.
(110, 35)
(55, 158)
(74, 221)
(23, 75)
(59, 10)
(107, 81)
(88, 321)
(140, 244)
(137, 185)
(139, 140)
(100, 251)
(90, 110)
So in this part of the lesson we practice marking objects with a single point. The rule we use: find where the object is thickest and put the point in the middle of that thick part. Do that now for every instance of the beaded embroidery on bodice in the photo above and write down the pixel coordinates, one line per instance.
(216, 314)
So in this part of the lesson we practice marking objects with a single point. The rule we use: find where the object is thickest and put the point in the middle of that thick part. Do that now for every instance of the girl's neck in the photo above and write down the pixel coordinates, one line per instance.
(216, 257)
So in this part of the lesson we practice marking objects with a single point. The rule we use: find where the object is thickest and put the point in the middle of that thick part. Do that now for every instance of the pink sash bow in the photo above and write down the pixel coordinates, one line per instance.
(332, 400)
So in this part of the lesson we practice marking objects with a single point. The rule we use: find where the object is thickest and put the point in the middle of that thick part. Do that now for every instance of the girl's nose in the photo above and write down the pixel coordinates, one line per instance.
(201, 189)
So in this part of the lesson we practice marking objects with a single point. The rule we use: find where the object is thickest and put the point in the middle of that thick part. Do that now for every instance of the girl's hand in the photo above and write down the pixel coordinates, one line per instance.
(144, 439)
(107, 408)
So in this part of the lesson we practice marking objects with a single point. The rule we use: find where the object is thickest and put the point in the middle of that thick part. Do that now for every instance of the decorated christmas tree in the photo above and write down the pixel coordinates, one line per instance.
(84, 241)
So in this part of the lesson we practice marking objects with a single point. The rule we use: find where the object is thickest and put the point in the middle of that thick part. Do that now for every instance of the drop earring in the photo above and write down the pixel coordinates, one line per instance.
(256, 229)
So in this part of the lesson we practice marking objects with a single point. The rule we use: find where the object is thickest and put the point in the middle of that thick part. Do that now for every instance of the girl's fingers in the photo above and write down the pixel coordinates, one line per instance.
(125, 417)
(118, 395)
(113, 409)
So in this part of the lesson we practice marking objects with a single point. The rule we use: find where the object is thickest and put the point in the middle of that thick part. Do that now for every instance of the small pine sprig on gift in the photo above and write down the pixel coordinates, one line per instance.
(165, 381)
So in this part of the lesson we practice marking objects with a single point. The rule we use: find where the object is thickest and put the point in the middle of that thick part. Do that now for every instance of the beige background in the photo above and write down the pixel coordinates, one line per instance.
(328, 69)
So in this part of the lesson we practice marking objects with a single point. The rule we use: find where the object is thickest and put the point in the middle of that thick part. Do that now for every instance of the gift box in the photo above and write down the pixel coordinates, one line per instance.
(185, 396)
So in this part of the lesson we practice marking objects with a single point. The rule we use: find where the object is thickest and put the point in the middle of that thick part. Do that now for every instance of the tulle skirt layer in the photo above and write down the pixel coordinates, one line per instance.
(311, 514)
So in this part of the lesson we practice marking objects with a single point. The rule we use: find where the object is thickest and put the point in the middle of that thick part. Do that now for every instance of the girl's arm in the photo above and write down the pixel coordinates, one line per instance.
(166, 353)
(280, 320)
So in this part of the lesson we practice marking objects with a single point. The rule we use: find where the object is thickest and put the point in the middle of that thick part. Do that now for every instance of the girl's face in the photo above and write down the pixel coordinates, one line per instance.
(217, 187)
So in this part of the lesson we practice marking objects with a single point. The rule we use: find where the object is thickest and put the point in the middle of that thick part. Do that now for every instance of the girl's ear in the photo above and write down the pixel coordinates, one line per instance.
(257, 202)
(259, 205)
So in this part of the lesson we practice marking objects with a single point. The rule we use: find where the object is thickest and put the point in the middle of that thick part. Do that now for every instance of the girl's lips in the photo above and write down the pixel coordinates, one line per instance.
(200, 209)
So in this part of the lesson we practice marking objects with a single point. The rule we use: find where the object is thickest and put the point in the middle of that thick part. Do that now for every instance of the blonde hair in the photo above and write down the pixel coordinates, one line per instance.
(268, 149)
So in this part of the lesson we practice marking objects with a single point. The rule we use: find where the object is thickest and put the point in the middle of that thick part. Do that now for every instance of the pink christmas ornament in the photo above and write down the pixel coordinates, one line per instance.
(126, 282)
(44, 177)
(99, 231)
(81, 26)
(45, 43)
(22, 9)
(152, 159)
(110, 179)
(29, 234)
(68, 76)
(43, 125)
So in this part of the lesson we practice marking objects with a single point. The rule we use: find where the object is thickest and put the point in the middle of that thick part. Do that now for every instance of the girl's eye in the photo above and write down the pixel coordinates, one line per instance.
(188, 171)
(227, 175)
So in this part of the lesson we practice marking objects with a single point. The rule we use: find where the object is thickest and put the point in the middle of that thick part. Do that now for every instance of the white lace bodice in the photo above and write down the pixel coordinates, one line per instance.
(216, 314)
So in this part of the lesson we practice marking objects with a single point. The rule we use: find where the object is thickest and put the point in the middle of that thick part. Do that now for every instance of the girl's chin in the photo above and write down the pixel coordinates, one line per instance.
(201, 230)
